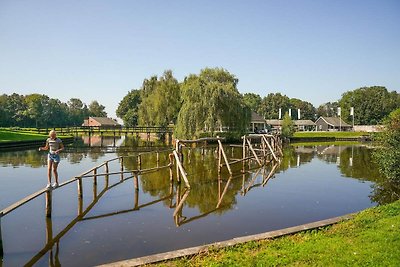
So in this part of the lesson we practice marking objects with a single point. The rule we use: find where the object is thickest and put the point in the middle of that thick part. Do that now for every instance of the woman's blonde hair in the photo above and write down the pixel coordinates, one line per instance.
(51, 132)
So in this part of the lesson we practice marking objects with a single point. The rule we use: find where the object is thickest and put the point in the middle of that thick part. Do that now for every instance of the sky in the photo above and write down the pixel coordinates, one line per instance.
(100, 49)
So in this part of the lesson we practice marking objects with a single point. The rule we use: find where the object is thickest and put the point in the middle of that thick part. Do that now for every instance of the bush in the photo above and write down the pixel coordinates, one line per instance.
(388, 154)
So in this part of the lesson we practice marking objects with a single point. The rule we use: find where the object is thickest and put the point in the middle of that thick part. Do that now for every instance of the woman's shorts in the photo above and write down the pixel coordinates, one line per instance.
(54, 157)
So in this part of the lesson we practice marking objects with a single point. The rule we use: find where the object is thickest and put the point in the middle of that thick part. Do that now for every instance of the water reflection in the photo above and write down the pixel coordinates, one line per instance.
(216, 207)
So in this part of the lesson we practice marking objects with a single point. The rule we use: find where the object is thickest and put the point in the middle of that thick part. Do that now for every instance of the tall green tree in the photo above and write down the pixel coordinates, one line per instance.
(253, 101)
(371, 104)
(271, 104)
(128, 108)
(307, 110)
(287, 126)
(211, 101)
(161, 100)
(37, 109)
(97, 110)
(78, 111)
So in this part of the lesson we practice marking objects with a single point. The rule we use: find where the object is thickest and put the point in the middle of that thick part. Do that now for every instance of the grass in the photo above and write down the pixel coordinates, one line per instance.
(328, 134)
(15, 136)
(371, 238)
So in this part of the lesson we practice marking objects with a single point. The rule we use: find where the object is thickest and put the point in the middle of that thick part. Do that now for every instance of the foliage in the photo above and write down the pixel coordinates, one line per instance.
(271, 104)
(36, 110)
(253, 101)
(128, 108)
(97, 110)
(307, 110)
(328, 109)
(371, 104)
(388, 155)
(160, 101)
(211, 102)
(287, 126)
(370, 238)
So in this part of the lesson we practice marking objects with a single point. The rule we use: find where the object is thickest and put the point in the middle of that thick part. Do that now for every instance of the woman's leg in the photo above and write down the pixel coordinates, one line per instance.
(55, 166)
(49, 167)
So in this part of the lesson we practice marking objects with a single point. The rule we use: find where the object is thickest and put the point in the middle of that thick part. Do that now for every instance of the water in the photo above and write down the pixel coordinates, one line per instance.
(312, 183)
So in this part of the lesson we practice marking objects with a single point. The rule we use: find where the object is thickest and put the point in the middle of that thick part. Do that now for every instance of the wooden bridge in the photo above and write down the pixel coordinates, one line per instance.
(260, 148)
(103, 130)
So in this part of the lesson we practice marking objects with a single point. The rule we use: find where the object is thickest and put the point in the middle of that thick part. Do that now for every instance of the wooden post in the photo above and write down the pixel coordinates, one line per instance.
(122, 168)
(80, 188)
(136, 205)
(48, 203)
(49, 230)
(219, 159)
(178, 176)
(139, 162)
(95, 176)
(254, 153)
(270, 148)
(224, 156)
(136, 181)
(158, 159)
(171, 163)
(80, 206)
(106, 167)
(1, 240)
(181, 169)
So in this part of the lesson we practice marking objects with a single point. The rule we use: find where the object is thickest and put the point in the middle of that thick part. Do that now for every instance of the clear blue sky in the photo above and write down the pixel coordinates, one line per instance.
(100, 49)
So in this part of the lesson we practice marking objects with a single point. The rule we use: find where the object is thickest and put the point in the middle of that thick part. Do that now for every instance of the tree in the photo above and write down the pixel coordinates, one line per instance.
(97, 110)
(253, 101)
(128, 108)
(211, 101)
(160, 100)
(287, 126)
(328, 109)
(77, 111)
(388, 155)
(307, 110)
(37, 109)
(371, 104)
(271, 104)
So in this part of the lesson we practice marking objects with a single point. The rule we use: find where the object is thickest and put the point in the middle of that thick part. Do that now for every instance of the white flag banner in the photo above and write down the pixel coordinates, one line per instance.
(290, 112)
(298, 114)
(339, 111)
(352, 111)
(280, 113)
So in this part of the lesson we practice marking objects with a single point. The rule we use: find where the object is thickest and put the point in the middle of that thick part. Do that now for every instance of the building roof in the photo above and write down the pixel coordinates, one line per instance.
(304, 123)
(334, 121)
(255, 118)
(106, 121)
(275, 122)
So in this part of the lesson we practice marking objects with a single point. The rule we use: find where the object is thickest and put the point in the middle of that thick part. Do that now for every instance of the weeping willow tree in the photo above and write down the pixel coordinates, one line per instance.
(160, 100)
(211, 103)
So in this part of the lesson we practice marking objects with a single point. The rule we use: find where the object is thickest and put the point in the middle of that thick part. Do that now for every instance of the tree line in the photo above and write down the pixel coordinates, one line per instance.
(37, 110)
(210, 101)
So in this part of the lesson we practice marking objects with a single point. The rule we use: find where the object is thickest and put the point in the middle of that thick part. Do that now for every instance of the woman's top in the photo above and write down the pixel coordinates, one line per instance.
(54, 144)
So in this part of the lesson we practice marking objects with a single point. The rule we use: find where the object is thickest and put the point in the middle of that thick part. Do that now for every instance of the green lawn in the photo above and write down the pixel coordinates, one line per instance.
(328, 134)
(11, 136)
(371, 238)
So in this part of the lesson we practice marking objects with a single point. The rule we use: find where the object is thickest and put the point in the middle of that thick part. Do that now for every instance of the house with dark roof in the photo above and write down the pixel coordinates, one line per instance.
(332, 124)
(304, 125)
(300, 125)
(101, 122)
(258, 123)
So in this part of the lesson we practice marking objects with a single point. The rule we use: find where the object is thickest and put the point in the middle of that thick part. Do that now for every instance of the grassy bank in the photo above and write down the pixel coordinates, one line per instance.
(371, 238)
(328, 134)
(17, 136)
(11, 136)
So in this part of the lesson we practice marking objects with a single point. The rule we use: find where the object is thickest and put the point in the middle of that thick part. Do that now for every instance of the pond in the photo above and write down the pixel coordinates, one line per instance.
(313, 182)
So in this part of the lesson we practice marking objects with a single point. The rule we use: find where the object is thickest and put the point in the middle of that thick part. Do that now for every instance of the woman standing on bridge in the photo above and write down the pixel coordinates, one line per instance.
(55, 146)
